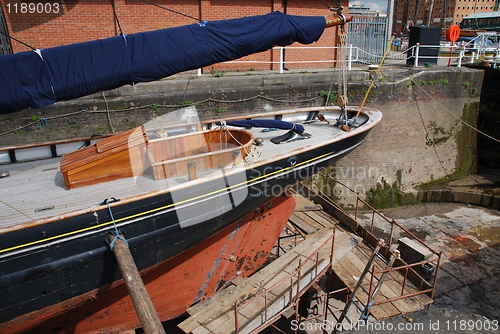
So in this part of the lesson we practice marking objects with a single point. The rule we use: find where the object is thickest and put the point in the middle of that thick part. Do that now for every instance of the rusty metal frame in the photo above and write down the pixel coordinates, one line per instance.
(293, 300)
(405, 268)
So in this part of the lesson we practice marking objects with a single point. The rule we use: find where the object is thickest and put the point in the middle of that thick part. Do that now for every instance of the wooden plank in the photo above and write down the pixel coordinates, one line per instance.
(394, 281)
(328, 217)
(301, 224)
(296, 229)
(410, 287)
(238, 281)
(321, 220)
(309, 221)
(219, 307)
(344, 272)
(384, 291)
(303, 204)
(278, 298)
(218, 315)
(355, 267)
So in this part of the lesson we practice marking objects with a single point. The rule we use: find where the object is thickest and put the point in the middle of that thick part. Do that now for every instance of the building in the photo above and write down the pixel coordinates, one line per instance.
(436, 13)
(53, 23)
(361, 10)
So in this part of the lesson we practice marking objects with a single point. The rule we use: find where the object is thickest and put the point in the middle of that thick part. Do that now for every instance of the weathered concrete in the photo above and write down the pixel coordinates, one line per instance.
(479, 189)
(420, 139)
(468, 281)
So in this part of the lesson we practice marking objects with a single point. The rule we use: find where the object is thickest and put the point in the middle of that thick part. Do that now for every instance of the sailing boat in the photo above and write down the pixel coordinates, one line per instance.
(199, 204)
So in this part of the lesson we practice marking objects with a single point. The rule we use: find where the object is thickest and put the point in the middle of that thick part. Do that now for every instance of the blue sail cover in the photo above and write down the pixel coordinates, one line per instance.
(265, 123)
(39, 78)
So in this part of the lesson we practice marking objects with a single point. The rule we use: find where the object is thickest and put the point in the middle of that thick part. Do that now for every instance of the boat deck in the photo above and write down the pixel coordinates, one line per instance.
(35, 190)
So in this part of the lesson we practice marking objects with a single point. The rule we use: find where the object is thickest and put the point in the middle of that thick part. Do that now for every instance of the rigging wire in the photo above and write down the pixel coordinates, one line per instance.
(427, 137)
(452, 114)
(19, 41)
(171, 10)
(116, 16)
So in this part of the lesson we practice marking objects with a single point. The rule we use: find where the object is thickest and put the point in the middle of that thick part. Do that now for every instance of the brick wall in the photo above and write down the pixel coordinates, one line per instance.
(62, 22)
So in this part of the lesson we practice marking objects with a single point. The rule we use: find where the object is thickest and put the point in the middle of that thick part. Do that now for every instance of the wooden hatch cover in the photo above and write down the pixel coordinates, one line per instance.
(119, 156)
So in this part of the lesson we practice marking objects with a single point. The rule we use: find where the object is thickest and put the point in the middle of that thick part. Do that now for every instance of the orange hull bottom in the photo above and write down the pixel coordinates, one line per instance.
(238, 250)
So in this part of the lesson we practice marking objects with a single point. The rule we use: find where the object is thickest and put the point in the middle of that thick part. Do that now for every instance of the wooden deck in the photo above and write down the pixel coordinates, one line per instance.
(36, 189)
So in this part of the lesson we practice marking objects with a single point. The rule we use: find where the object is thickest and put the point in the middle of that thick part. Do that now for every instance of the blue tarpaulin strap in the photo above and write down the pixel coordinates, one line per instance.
(72, 71)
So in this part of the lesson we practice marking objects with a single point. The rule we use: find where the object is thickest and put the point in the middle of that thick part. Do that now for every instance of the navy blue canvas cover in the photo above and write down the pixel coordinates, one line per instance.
(39, 78)
(265, 123)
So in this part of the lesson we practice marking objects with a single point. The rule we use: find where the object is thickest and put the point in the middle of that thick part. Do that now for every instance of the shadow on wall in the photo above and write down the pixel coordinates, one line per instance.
(38, 12)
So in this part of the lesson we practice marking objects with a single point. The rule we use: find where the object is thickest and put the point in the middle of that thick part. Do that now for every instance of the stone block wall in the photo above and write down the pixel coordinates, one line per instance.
(419, 140)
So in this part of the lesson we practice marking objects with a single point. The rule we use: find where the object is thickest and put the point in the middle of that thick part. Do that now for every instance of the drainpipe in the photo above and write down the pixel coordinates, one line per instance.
(429, 16)
(390, 20)
(283, 50)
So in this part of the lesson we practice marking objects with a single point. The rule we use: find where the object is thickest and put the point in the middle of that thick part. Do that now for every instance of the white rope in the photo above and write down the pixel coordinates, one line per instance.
(254, 155)
(452, 114)
(251, 156)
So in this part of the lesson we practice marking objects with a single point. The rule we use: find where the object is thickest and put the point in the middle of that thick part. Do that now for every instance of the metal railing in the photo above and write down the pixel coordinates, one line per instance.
(292, 293)
(442, 55)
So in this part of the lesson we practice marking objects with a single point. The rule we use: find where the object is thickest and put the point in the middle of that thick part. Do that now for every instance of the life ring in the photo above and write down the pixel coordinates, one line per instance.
(453, 33)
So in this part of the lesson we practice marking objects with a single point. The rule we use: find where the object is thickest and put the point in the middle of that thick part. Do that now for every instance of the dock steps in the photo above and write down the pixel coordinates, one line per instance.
(261, 299)
(264, 296)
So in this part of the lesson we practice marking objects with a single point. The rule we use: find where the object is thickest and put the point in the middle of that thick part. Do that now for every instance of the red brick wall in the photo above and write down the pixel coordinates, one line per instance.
(72, 21)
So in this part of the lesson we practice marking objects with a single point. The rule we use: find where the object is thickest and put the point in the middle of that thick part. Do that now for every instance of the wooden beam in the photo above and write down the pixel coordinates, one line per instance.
(142, 302)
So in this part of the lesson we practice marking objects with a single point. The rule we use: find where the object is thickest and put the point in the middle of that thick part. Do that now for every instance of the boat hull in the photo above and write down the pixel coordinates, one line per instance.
(237, 250)
(73, 249)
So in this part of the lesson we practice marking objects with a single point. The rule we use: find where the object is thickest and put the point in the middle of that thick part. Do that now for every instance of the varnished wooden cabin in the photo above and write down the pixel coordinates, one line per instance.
(132, 153)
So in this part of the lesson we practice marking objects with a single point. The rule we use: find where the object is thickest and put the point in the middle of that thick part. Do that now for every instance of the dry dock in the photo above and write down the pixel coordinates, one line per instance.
(334, 246)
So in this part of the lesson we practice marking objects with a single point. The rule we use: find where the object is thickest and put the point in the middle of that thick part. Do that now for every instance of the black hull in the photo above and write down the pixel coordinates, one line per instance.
(74, 258)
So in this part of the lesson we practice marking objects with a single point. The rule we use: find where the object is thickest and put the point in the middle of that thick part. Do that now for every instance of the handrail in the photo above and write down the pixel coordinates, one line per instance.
(436, 258)
(353, 55)
(379, 214)
(292, 298)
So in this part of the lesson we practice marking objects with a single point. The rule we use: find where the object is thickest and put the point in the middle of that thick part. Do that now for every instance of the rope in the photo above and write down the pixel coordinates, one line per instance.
(42, 121)
(254, 155)
(115, 16)
(462, 121)
(364, 314)
(171, 10)
(163, 106)
(13, 208)
(227, 130)
(9, 36)
(427, 135)
(107, 113)
(115, 233)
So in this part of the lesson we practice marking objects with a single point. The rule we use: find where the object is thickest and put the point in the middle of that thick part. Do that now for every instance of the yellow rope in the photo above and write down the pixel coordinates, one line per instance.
(376, 74)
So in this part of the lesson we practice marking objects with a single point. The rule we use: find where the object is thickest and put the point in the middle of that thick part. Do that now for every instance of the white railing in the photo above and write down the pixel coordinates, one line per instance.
(418, 55)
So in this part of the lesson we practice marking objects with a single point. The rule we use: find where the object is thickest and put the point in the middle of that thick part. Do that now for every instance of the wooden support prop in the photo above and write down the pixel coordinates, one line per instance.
(191, 167)
(142, 302)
